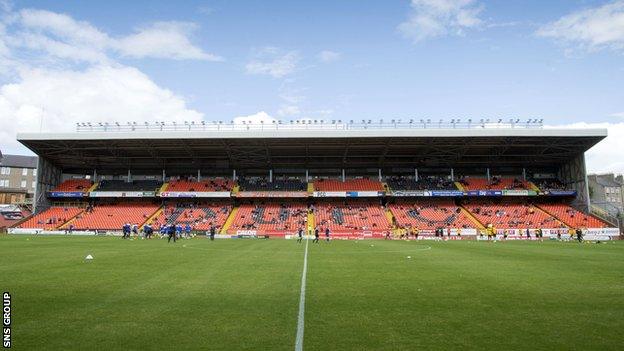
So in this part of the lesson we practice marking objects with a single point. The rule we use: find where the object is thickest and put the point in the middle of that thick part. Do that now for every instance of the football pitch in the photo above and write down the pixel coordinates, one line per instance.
(245, 294)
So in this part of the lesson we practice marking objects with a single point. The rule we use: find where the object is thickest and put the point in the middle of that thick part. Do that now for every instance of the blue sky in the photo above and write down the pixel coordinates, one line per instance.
(557, 60)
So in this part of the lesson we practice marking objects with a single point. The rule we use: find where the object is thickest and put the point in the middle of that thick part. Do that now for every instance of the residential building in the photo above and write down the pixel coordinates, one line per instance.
(18, 176)
(607, 192)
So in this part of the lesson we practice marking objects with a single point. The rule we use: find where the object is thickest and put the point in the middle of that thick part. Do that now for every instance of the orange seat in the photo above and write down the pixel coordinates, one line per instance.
(51, 218)
(573, 217)
(494, 184)
(218, 184)
(358, 216)
(430, 215)
(512, 215)
(74, 185)
(362, 184)
(113, 217)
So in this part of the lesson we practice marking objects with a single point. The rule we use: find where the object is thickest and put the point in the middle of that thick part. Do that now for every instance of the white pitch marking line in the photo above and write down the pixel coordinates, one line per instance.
(300, 319)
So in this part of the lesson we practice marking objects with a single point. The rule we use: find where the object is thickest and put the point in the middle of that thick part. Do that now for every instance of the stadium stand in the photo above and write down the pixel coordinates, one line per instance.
(573, 217)
(51, 218)
(358, 184)
(511, 215)
(361, 203)
(113, 216)
(74, 185)
(430, 215)
(200, 216)
(496, 183)
(271, 216)
(263, 184)
(217, 184)
(423, 183)
(351, 216)
(136, 185)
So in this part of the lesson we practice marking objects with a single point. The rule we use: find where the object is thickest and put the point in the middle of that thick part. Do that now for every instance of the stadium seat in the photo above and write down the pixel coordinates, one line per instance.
(51, 218)
(507, 215)
(200, 216)
(74, 185)
(218, 184)
(278, 184)
(423, 183)
(572, 217)
(496, 183)
(430, 215)
(113, 217)
(549, 184)
(122, 185)
(260, 216)
(359, 184)
(351, 216)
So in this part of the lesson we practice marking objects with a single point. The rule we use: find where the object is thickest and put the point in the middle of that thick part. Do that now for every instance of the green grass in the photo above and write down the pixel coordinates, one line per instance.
(244, 294)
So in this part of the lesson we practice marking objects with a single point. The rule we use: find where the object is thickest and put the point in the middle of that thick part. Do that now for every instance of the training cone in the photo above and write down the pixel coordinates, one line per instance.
(89, 257)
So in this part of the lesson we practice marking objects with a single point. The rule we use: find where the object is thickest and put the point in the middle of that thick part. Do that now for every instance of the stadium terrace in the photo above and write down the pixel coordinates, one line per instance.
(360, 179)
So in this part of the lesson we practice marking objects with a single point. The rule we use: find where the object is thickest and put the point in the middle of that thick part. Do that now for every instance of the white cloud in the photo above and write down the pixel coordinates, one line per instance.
(606, 156)
(591, 29)
(328, 56)
(436, 18)
(271, 61)
(164, 40)
(99, 94)
(61, 71)
(61, 36)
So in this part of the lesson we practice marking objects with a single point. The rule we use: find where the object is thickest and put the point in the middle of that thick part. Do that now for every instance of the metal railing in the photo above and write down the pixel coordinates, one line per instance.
(307, 124)
(606, 212)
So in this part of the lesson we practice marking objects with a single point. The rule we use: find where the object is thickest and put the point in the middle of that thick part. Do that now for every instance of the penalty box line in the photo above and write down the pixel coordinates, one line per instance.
(301, 316)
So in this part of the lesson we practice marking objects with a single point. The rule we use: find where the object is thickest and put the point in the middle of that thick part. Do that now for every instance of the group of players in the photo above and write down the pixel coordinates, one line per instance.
(172, 231)
(178, 231)
(316, 235)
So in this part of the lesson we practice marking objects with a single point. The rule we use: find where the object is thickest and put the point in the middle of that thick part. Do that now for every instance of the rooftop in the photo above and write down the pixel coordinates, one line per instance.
(18, 161)
(213, 146)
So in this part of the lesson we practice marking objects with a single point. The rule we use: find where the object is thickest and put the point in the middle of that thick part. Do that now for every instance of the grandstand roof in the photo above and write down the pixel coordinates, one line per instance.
(311, 148)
